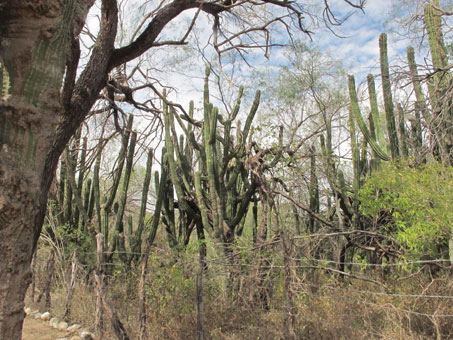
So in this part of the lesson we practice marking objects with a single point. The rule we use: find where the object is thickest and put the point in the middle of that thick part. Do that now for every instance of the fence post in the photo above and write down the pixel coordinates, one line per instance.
(100, 286)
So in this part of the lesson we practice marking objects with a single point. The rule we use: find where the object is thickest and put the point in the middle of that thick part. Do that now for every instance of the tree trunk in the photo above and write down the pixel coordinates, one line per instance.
(35, 38)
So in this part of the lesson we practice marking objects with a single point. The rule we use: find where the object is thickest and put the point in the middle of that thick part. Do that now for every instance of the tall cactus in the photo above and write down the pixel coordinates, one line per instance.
(440, 82)
(388, 98)
(420, 104)
(357, 117)
(313, 191)
(218, 194)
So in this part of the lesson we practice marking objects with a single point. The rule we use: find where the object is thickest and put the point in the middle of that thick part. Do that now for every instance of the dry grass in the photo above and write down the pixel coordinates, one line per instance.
(326, 307)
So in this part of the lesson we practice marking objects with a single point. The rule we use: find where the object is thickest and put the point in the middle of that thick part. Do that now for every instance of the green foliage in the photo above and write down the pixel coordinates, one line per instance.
(419, 201)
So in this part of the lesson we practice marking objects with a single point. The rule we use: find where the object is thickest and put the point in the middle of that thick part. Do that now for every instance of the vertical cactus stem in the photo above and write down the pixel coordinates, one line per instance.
(200, 201)
(96, 191)
(170, 157)
(375, 112)
(355, 115)
(355, 152)
(403, 134)
(160, 189)
(61, 182)
(181, 163)
(210, 169)
(82, 163)
(251, 115)
(433, 26)
(420, 105)
(68, 191)
(119, 170)
(343, 193)
(144, 201)
(375, 160)
(75, 191)
(130, 225)
(213, 125)
(313, 190)
(86, 202)
(206, 86)
(86, 196)
(125, 184)
(237, 106)
(388, 99)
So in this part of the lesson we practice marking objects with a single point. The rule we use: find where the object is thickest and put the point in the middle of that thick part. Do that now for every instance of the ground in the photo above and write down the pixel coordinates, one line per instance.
(40, 330)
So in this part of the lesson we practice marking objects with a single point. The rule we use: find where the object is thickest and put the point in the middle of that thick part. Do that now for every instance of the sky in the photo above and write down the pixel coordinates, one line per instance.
(182, 67)
(358, 48)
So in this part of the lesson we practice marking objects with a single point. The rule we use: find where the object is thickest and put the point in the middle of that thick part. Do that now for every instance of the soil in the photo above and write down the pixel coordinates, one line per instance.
(40, 330)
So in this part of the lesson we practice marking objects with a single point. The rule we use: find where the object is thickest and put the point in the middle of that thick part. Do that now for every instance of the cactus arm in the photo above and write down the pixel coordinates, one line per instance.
(357, 116)
(245, 200)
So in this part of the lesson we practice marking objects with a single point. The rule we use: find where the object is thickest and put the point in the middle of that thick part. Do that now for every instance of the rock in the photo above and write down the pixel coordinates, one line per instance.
(45, 316)
(74, 328)
(27, 310)
(37, 315)
(61, 339)
(62, 326)
(87, 336)
(82, 330)
(54, 322)
(76, 337)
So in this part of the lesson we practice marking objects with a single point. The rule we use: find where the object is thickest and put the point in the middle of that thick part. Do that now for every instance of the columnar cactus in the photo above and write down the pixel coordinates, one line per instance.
(420, 104)
(440, 82)
(313, 191)
(357, 117)
(218, 194)
(388, 99)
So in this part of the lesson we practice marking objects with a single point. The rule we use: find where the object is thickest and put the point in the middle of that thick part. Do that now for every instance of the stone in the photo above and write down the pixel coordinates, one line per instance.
(54, 322)
(87, 336)
(27, 310)
(61, 339)
(74, 328)
(37, 315)
(62, 326)
(45, 316)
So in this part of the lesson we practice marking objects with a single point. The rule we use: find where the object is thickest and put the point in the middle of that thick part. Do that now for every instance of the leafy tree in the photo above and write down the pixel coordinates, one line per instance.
(419, 202)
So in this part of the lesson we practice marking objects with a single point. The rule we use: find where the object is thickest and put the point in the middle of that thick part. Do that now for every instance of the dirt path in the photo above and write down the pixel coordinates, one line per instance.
(40, 330)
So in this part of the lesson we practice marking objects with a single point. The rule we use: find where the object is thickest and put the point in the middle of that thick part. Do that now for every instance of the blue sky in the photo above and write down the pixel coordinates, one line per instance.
(358, 49)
